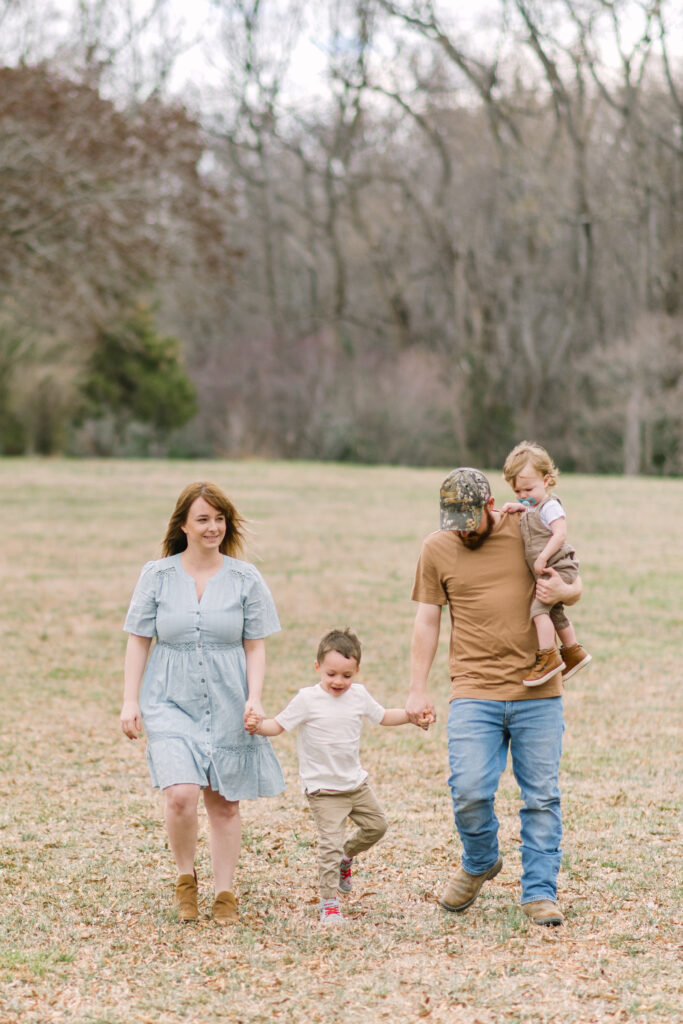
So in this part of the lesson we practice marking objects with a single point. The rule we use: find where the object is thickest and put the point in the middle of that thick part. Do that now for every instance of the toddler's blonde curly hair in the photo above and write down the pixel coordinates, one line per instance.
(530, 451)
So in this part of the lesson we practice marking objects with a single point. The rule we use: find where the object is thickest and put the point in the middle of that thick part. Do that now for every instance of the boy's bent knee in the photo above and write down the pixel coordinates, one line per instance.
(374, 833)
(375, 829)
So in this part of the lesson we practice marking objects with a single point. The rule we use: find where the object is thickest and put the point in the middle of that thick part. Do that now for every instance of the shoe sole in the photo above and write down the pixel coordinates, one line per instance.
(188, 917)
(547, 922)
(491, 873)
(544, 679)
(577, 668)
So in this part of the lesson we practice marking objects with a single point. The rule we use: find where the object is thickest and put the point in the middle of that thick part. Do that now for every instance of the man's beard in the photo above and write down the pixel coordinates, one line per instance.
(475, 540)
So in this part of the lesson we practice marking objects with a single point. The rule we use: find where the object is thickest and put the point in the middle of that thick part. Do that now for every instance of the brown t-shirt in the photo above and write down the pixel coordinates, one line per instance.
(488, 592)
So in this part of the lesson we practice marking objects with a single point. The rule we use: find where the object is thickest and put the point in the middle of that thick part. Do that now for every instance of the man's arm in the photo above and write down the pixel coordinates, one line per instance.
(551, 588)
(422, 652)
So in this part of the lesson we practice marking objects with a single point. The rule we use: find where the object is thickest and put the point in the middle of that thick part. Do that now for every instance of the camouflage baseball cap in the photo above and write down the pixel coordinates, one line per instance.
(463, 495)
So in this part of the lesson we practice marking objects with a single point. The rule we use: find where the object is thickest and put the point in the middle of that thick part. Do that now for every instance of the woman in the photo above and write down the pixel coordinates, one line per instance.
(210, 614)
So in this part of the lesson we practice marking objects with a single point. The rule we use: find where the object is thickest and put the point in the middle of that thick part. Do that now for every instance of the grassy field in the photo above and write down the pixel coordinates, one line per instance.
(87, 932)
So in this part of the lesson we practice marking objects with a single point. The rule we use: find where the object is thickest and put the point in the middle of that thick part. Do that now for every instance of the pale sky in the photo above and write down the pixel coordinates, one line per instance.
(204, 65)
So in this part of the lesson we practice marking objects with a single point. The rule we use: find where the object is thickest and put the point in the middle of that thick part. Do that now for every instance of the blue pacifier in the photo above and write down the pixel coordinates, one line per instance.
(527, 501)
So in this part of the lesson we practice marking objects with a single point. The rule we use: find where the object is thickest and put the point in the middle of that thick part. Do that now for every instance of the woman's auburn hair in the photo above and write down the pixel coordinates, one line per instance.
(235, 524)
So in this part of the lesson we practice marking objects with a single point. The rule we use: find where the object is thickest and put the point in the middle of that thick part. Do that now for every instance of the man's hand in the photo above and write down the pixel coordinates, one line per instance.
(551, 588)
(428, 718)
(420, 710)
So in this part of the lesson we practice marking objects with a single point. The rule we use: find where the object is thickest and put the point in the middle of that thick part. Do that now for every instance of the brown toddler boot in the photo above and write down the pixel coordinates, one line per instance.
(224, 910)
(186, 898)
(548, 664)
(575, 658)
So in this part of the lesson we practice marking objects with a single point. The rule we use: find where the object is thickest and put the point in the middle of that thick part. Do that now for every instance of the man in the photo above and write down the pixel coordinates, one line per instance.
(475, 564)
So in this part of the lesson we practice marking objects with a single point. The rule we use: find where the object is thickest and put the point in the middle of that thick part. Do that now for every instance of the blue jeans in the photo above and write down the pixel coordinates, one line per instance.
(479, 734)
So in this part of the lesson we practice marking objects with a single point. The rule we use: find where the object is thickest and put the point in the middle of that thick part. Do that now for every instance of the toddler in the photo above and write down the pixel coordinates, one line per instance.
(532, 475)
(328, 717)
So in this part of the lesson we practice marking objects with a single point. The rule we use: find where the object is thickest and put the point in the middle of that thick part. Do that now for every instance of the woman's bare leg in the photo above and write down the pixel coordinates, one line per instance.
(180, 813)
(225, 828)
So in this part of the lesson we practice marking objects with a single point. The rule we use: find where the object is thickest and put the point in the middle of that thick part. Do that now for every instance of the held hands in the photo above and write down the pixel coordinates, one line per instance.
(427, 718)
(131, 719)
(252, 718)
(420, 711)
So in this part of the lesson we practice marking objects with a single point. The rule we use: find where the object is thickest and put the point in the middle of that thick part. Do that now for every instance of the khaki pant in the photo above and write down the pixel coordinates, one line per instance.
(330, 811)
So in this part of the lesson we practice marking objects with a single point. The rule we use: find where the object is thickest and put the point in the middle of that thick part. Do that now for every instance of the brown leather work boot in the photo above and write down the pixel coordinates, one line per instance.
(543, 912)
(224, 910)
(186, 898)
(548, 664)
(463, 889)
(575, 658)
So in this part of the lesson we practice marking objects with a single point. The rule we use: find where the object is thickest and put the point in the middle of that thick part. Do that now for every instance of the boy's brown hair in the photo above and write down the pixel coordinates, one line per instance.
(343, 641)
(530, 451)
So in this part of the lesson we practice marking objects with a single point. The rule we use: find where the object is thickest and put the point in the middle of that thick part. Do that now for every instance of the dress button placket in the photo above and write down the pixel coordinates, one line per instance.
(205, 695)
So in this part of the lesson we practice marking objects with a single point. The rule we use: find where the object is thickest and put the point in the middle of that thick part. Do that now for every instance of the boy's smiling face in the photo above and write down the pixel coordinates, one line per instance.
(336, 673)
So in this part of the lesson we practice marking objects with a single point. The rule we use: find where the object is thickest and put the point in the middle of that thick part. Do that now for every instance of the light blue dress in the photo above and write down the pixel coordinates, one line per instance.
(195, 685)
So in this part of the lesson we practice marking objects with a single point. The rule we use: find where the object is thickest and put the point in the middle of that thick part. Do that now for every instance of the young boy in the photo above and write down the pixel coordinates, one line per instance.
(532, 475)
(329, 717)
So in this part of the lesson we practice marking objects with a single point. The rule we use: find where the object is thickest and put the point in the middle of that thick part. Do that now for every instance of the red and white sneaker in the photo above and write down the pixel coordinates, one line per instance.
(345, 883)
(330, 912)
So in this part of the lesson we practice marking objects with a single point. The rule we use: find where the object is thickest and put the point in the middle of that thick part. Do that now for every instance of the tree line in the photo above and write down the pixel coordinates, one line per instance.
(463, 232)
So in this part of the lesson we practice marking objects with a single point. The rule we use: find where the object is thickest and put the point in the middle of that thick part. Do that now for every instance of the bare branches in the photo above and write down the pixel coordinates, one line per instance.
(464, 211)
(675, 89)
(484, 77)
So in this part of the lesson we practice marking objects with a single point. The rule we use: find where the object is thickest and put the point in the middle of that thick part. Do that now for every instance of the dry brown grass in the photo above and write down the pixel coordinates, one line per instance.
(86, 930)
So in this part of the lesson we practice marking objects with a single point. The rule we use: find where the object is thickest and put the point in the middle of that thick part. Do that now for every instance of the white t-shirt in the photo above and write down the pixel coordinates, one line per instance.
(550, 511)
(328, 735)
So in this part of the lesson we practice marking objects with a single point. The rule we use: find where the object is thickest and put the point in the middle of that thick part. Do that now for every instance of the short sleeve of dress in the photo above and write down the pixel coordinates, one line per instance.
(260, 616)
(142, 612)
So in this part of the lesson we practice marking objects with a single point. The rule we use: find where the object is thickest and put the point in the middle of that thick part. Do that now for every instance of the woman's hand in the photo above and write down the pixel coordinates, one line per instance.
(253, 708)
(131, 719)
(252, 721)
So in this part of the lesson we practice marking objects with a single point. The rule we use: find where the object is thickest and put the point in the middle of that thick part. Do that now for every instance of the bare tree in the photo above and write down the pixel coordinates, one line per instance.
(469, 214)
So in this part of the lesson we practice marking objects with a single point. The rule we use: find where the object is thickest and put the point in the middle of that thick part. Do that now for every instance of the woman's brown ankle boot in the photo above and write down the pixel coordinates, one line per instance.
(186, 897)
(224, 910)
